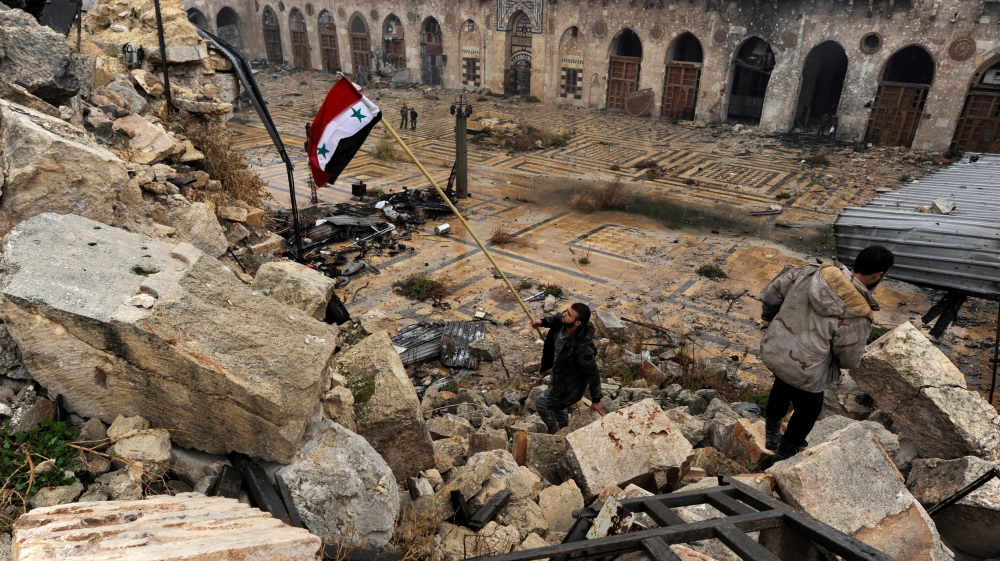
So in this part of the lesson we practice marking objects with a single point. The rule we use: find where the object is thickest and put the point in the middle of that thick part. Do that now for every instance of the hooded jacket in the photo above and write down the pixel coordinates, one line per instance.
(822, 317)
(575, 369)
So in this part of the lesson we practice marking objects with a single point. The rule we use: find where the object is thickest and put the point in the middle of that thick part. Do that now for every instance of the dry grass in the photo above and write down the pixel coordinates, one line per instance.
(228, 165)
(612, 196)
(385, 149)
(414, 535)
(528, 138)
(421, 287)
(821, 157)
(584, 201)
(501, 236)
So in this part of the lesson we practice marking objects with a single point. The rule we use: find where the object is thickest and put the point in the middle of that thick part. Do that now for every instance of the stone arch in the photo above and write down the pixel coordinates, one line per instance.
(431, 52)
(329, 49)
(361, 47)
(571, 64)
(899, 100)
(227, 22)
(272, 37)
(518, 55)
(198, 18)
(470, 41)
(823, 75)
(978, 130)
(394, 41)
(682, 77)
(752, 66)
(624, 67)
(300, 39)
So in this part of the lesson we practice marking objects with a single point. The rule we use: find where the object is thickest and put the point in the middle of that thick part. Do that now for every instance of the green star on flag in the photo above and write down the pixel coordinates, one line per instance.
(322, 151)
(356, 113)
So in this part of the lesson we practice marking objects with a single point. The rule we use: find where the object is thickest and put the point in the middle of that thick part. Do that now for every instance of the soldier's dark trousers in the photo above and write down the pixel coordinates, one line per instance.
(806, 409)
(554, 419)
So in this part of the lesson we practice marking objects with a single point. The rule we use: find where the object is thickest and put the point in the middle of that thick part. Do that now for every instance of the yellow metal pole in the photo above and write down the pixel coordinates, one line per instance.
(458, 215)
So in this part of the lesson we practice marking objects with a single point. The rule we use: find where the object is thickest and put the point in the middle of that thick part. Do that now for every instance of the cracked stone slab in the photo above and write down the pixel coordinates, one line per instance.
(925, 393)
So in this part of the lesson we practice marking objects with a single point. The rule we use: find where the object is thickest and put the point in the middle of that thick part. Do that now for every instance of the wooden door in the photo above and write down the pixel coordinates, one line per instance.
(361, 52)
(624, 79)
(300, 42)
(680, 90)
(896, 114)
(328, 43)
(272, 39)
(979, 127)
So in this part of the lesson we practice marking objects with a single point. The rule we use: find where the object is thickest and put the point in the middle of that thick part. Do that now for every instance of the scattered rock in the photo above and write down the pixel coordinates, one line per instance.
(627, 443)
(715, 463)
(53, 496)
(486, 439)
(549, 305)
(746, 447)
(454, 543)
(120, 486)
(830, 481)
(693, 428)
(525, 515)
(824, 428)
(341, 487)
(558, 503)
(151, 445)
(192, 466)
(541, 451)
(197, 225)
(148, 142)
(182, 364)
(39, 59)
(296, 285)
(188, 527)
(386, 409)
(485, 349)
(608, 325)
(925, 393)
(123, 426)
(126, 92)
(448, 425)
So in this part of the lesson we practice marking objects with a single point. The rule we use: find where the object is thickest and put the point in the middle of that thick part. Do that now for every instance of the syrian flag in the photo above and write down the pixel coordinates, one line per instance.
(339, 130)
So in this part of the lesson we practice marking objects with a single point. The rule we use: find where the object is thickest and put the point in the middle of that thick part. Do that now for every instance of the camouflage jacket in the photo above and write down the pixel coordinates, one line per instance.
(822, 317)
(576, 366)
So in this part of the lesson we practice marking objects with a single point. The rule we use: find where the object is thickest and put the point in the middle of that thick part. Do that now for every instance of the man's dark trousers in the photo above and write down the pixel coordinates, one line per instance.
(554, 419)
(807, 407)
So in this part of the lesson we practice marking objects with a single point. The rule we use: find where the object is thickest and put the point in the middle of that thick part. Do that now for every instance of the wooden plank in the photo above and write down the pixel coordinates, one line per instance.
(742, 545)
(262, 492)
(461, 506)
(489, 510)
(663, 515)
(728, 505)
(228, 484)
(658, 550)
(286, 497)
(672, 500)
(615, 545)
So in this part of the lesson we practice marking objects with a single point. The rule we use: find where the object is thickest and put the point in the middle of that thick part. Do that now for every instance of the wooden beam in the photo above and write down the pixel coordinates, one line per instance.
(228, 483)
(489, 510)
(263, 493)
(729, 505)
(742, 545)
(662, 515)
(461, 506)
(658, 550)
(286, 497)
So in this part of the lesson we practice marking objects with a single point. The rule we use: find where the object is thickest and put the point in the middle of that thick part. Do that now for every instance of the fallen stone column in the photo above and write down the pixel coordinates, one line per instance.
(189, 527)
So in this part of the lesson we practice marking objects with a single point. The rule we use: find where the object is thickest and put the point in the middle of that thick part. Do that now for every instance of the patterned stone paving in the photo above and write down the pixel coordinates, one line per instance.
(640, 265)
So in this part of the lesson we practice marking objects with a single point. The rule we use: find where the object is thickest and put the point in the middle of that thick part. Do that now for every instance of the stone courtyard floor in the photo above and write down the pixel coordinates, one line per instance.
(642, 261)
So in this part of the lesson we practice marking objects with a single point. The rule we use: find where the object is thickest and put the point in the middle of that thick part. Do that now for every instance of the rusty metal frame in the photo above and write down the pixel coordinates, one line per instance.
(746, 509)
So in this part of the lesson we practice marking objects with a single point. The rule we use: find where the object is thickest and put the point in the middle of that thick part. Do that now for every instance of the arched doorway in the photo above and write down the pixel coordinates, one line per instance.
(680, 84)
(899, 101)
(272, 38)
(431, 53)
(361, 49)
(196, 17)
(228, 24)
(300, 41)
(393, 42)
(469, 40)
(571, 59)
(822, 83)
(328, 42)
(753, 65)
(517, 74)
(623, 68)
(978, 128)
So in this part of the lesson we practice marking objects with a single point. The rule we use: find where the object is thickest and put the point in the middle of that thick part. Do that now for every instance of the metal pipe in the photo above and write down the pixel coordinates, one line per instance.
(979, 482)
(163, 55)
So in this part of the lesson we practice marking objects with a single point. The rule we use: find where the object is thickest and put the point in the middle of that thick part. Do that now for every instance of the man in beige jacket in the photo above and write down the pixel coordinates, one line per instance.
(821, 316)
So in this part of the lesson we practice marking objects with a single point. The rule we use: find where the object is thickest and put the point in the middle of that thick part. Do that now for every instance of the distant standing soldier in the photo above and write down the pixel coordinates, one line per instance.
(820, 318)
(569, 350)
(405, 113)
(413, 119)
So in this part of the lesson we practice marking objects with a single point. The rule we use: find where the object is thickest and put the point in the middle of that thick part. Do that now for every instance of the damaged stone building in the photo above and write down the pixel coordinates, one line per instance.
(919, 74)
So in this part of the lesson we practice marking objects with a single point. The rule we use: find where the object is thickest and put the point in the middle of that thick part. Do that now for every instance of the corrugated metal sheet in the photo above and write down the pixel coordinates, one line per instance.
(417, 342)
(958, 251)
(455, 343)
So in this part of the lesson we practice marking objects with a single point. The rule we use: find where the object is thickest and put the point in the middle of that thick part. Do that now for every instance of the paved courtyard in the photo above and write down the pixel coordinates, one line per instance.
(641, 262)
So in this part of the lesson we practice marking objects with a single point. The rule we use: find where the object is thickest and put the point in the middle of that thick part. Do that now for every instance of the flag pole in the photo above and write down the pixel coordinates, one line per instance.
(458, 215)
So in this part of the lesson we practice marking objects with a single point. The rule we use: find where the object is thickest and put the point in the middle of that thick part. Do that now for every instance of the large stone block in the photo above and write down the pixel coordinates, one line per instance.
(49, 165)
(386, 408)
(970, 525)
(222, 368)
(197, 225)
(149, 143)
(189, 527)
(342, 488)
(925, 393)
(849, 483)
(627, 443)
(38, 59)
(558, 503)
(296, 285)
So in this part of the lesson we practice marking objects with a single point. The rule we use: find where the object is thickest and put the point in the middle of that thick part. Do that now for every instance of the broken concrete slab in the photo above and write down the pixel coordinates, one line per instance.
(824, 428)
(49, 165)
(831, 480)
(627, 443)
(608, 325)
(342, 488)
(485, 349)
(386, 408)
(970, 525)
(925, 393)
(558, 503)
(189, 526)
(184, 363)
(296, 285)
